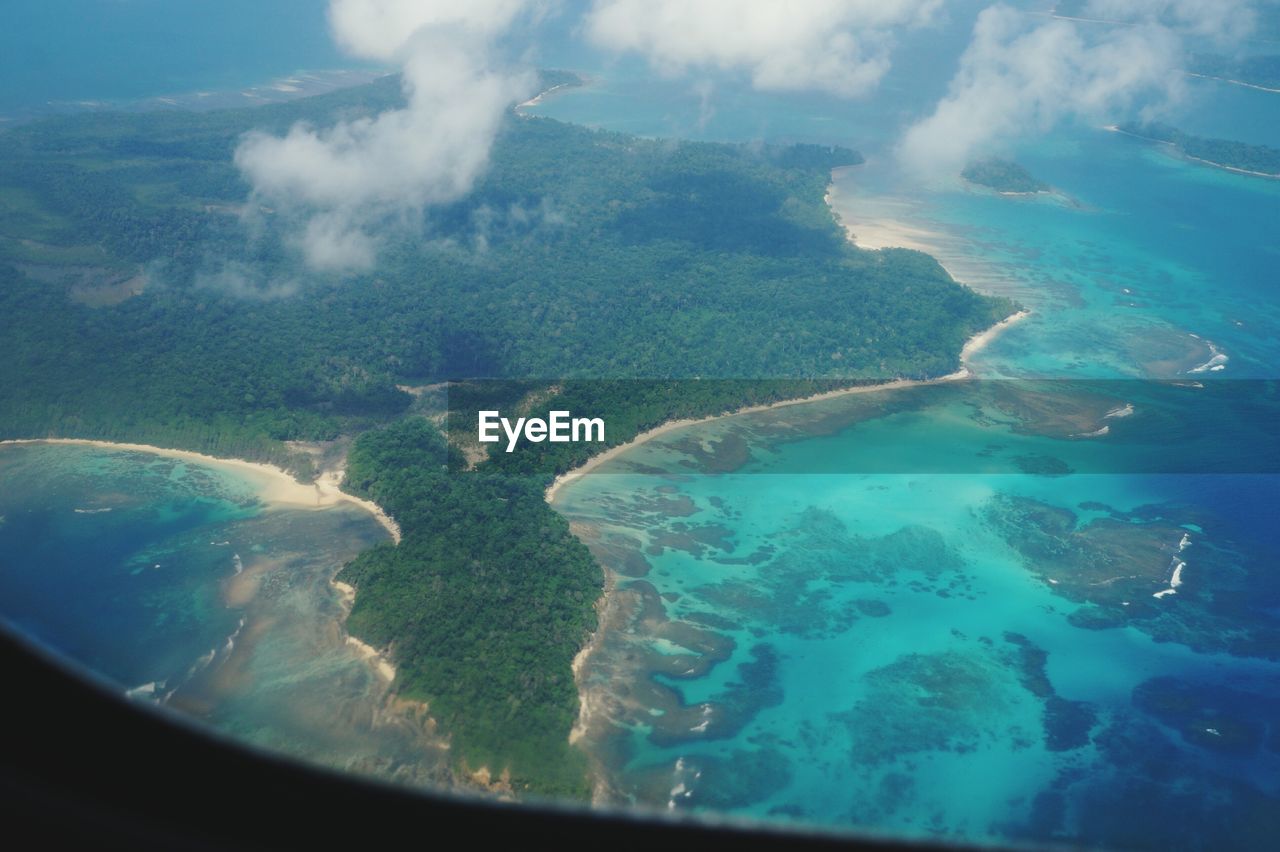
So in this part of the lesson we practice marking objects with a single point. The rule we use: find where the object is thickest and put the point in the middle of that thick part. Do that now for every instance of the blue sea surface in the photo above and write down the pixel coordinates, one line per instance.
(149, 608)
(1024, 610)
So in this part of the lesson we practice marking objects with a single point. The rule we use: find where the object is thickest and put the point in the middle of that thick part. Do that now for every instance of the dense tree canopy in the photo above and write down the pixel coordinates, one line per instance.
(484, 603)
(1003, 176)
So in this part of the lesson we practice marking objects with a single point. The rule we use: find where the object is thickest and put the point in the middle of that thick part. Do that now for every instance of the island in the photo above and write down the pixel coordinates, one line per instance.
(1004, 176)
(1241, 157)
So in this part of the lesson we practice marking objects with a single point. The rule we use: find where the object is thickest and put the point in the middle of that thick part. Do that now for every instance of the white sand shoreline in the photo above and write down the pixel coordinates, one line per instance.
(971, 347)
(538, 98)
(586, 706)
(379, 660)
(1182, 154)
(1233, 82)
(279, 488)
(374, 656)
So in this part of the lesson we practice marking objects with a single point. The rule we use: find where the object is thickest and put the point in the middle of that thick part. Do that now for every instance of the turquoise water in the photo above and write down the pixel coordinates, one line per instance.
(67, 54)
(853, 648)
(1135, 254)
(177, 585)
(935, 613)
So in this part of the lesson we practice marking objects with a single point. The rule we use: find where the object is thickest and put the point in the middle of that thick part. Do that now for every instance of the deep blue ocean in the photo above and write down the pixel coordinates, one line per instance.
(1042, 606)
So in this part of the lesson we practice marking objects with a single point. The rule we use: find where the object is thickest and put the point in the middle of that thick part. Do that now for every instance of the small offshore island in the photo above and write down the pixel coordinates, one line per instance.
(1240, 157)
(1005, 177)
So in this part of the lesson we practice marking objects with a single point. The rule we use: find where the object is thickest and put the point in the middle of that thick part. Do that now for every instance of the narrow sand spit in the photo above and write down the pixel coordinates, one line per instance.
(276, 486)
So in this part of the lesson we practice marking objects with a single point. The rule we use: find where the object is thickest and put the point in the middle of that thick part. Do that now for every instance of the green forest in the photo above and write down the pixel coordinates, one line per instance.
(144, 297)
(484, 603)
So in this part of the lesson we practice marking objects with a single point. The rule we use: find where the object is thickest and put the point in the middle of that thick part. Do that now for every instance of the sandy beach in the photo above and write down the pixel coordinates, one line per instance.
(538, 98)
(672, 425)
(374, 656)
(586, 700)
(886, 231)
(276, 487)
(346, 590)
(971, 347)
(983, 339)
(890, 233)
(378, 659)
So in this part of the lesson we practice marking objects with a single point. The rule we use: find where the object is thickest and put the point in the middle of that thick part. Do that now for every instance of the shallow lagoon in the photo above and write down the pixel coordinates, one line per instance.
(177, 584)
(959, 654)
(936, 615)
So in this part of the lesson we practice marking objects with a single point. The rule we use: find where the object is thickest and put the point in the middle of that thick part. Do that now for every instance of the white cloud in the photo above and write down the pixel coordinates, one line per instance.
(837, 46)
(1019, 77)
(342, 181)
(384, 29)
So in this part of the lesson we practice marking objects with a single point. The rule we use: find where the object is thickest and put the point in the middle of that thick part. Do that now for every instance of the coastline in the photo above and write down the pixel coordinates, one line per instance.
(586, 706)
(883, 233)
(538, 98)
(891, 235)
(672, 425)
(279, 487)
(983, 339)
(380, 661)
(972, 346)
(1233, 82)
(1185, 156)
